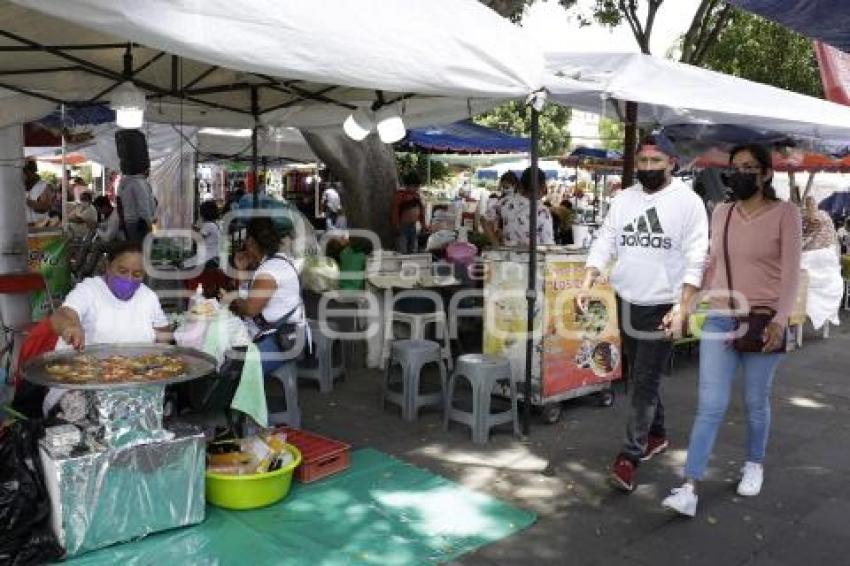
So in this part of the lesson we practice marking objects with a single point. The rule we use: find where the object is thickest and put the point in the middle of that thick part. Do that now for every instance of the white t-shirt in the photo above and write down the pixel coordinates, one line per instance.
(331, 198)
(211, 234)
(287, 296)
(107, 320)
(33, 194)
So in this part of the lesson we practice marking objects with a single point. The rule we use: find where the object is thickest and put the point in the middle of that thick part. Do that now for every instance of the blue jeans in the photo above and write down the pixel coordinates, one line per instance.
(719, 363)
(269, 345)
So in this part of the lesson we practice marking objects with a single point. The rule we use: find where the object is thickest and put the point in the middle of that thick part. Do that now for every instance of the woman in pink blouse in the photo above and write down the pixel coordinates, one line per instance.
(764, 239)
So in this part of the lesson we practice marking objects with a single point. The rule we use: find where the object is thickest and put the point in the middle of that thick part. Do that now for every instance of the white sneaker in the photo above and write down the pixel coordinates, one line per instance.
(753, 476)
(682, 500)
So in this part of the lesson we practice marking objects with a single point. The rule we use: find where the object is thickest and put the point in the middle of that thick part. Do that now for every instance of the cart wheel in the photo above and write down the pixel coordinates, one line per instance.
(551, 413)
(606, 398)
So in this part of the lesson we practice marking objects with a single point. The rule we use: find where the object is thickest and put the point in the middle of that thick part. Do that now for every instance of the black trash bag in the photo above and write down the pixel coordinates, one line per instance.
(25, 534)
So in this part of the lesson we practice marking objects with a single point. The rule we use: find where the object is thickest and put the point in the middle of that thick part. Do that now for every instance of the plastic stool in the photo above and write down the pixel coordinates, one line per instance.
(412, 356)
(320, 365)
(417, 324)
(287, 375)
(483, 372)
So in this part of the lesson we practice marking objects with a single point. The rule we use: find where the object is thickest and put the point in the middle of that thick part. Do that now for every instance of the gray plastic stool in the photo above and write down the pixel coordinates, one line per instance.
(288, 378)
(483, 372)
(320, 365)
(412, 356)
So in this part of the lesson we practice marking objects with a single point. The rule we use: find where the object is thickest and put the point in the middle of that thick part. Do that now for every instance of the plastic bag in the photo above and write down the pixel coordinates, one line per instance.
(320, 274)
(25, 533)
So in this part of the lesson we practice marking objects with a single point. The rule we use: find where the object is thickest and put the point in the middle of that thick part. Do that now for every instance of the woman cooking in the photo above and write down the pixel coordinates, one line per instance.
(114, 308)
(273, 297)
(111, 309)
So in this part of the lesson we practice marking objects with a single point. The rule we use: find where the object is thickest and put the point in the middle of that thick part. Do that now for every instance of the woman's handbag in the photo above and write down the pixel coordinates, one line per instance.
(749, 328)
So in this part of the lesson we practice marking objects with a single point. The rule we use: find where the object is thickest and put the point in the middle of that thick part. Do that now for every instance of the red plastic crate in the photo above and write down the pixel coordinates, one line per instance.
(320, 456)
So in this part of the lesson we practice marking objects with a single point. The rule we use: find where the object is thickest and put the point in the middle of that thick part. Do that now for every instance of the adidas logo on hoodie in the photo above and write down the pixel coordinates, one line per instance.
(645, 231)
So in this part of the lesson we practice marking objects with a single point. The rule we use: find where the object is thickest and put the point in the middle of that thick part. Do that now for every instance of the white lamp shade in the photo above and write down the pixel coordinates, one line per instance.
(128, 102)
(129, 118)
(358, 125)
(390, 126)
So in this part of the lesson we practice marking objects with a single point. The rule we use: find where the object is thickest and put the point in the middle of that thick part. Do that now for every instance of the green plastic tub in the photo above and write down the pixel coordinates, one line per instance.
(256, 490)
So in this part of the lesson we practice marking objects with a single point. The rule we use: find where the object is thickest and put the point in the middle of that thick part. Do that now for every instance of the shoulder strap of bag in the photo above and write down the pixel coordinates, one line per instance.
(726, 255)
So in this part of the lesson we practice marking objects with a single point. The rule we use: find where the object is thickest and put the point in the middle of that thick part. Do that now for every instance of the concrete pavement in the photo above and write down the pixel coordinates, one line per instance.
(560, 471)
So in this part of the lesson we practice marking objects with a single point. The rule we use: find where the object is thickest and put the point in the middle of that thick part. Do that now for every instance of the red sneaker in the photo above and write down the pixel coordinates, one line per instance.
(623, 473)
(654, 445)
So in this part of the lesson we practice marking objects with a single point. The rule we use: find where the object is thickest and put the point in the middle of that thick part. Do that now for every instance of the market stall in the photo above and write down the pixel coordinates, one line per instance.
(163, 50)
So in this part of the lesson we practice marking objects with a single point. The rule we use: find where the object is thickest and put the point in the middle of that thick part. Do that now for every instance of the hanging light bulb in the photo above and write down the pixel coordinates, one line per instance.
(128, 102)
(358, 124)
(390, 125)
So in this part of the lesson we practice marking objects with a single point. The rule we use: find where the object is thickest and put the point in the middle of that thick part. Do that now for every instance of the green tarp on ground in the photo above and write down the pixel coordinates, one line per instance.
(381, 511)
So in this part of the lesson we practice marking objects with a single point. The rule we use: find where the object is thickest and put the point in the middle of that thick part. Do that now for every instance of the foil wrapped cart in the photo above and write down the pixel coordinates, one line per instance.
(119, 474)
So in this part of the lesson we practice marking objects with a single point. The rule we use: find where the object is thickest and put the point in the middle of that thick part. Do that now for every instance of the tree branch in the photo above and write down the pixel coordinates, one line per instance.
(629, 10)
(695, 30)
(719, 25)
(650, 19)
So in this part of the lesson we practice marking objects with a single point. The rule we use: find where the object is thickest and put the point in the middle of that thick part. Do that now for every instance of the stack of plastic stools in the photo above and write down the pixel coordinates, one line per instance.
(287, 375)
(412, 356)
(483, 372)
(321, 366)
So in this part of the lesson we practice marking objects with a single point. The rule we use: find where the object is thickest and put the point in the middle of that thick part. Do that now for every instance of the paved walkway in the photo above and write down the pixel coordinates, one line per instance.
(801, 517)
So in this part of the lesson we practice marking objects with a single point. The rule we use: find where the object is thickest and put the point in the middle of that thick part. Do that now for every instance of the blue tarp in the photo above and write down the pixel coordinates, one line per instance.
(837, 205)
(594, 153)
(79, 115)
(464, 137)
(688, 137)
(826, 20)
(493, 174)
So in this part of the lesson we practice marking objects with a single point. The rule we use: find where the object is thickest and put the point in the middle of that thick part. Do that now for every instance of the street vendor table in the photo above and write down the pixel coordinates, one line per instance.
(218, 335)
(575, 352)
(393, 273)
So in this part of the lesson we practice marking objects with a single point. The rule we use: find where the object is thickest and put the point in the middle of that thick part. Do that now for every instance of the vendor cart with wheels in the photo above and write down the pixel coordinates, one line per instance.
(576, 344)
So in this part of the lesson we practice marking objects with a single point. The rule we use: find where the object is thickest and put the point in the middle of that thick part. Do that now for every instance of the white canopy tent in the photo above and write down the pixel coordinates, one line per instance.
(225, 63)
(670, 93)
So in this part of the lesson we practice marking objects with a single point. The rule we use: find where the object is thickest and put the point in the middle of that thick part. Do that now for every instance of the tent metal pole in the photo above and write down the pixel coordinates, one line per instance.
(531, 294)
(254, 132)
(64, 180)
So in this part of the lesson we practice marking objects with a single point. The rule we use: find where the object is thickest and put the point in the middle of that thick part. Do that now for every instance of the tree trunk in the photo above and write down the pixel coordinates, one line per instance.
(367, 170)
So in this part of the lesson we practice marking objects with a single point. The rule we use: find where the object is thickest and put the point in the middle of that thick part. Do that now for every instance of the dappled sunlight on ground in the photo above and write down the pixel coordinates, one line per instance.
(807, 403)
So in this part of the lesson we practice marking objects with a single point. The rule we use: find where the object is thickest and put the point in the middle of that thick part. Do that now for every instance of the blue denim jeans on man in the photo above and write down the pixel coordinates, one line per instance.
(719, 362)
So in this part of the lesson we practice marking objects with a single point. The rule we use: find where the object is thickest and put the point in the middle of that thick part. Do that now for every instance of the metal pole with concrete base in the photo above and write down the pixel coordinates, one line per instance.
(531, 294)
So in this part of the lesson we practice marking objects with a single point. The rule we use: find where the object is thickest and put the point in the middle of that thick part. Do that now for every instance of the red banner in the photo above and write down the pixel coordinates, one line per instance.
(834, 72)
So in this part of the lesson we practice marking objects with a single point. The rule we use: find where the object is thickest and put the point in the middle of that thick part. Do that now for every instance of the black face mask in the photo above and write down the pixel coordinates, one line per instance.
(652, 180)
(743, 185)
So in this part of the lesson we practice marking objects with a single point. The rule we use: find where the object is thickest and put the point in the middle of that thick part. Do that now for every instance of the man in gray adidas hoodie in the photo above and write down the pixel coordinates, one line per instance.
(656, 236)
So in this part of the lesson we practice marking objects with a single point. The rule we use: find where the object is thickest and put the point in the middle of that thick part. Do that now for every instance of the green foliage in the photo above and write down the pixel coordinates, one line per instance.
(49, 177)
(757, 49)
(515, 119)
(511, 9)
(611, 133)
(418, 162)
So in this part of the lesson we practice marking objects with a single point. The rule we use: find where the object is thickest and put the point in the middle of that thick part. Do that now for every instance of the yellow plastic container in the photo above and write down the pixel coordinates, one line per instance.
(252, 491)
